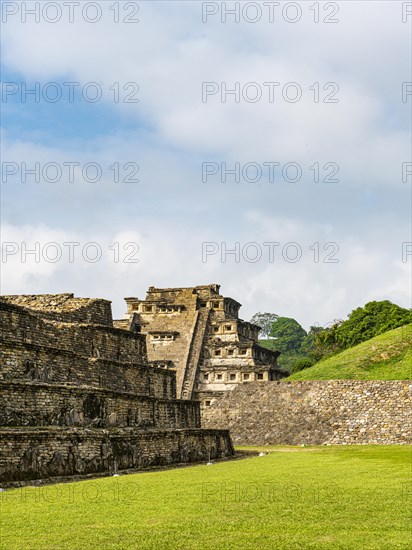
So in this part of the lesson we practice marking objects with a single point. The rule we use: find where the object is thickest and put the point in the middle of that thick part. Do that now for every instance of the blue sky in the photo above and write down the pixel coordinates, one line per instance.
(166, 209)
(59, 122)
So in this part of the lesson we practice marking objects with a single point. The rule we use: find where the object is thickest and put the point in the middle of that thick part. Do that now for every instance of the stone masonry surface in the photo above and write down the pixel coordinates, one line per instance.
(53, 452)
(315, 412)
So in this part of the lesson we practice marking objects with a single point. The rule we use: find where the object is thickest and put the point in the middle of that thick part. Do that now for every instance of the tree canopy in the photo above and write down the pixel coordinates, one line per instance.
(289, 335)
(299, 350)
(265, 321)
(368, 321)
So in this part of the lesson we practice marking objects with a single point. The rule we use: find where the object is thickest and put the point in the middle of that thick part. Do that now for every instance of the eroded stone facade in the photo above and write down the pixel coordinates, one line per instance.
(197, 332)
(77, 395)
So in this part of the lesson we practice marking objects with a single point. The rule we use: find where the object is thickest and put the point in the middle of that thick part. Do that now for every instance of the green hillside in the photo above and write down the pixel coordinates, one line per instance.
(385, 357)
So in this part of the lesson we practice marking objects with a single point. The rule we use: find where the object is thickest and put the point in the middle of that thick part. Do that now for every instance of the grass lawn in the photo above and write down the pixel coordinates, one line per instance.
(312, 497)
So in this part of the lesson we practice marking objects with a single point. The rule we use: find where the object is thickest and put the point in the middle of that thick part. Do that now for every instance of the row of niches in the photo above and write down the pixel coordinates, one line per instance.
(231, 352)
(235, 327)
(156, 308)
(233, 377)
(163, 336)
(224, 304)
(258, 354)
(224, 328)
(212, 304)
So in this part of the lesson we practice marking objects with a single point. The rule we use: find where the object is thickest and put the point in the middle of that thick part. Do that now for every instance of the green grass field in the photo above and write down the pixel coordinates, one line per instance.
(312, 497)
(385, 357)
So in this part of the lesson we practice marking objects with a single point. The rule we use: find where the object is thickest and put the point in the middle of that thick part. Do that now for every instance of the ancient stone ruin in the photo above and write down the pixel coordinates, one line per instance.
(78, 396)
(197, 332)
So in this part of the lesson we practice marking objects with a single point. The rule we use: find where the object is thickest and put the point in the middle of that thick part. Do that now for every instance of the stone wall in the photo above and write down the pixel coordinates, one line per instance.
(65, 307)
(106, 342)
(315, 412)
(30, 362)
(38, 404)
(54, 452)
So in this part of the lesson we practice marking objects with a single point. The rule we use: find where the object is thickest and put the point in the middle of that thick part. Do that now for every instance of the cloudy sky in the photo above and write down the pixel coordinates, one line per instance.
(263, 146)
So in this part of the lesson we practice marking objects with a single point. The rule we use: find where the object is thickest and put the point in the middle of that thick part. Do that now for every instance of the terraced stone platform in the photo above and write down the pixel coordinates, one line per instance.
(78, 397)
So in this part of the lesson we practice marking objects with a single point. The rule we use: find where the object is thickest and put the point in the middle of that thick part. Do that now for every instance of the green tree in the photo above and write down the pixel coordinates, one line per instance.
(265, 321)
(370, 320)
(325, 340)
(289, 335)
(309, 345)
(363, 323)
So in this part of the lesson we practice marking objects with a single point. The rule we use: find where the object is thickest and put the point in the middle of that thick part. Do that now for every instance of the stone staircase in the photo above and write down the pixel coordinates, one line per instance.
(195, 350)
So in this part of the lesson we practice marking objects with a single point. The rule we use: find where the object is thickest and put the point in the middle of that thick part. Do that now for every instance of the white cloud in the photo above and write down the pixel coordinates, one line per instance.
(312, 292)
(171, 211)
(170, 53)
